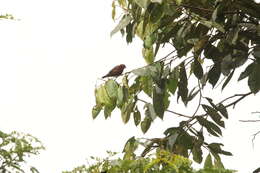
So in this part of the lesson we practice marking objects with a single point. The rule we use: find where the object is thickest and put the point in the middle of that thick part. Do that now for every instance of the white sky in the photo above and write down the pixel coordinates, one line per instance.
(49, 64)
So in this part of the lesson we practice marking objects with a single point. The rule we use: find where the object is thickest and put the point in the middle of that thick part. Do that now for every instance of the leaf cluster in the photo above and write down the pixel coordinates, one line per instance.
(161, 162)
(14, 149)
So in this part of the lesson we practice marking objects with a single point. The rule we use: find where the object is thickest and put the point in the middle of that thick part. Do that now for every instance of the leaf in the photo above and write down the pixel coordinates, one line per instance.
(254, 79)
(111, 88)
(183, 84)
(247, 72)
(113, 10)
(216, 148)
(228, 79)
(211, 127)
(200, 44)
(211, 24)
(214, 74)
(145, 124)
(149, 111)
(158, 99)
(214, 115)
(150, 40)
(126, 110)
(102, 96)
(144, 71)
(156, 13)
(122, 96)
(137, 116)
(172, 82)
(96, 110)
(147, 85)
(197, 153)
(148, 55)
(198, 70)
(142, 3)
(222, 109)
(108, 110)
(208, 162)
(126, 19)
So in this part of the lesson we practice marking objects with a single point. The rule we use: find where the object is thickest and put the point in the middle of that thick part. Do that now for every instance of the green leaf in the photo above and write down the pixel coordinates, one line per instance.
(145, 124)
(102, 96)
(197, 153)
(142, 3)
(183, 84)
(198, 70)
(156, 13)
(96, 110)
(211, 127)
(214, 74)
(172, 82)
(137, 117)
(147, 85)
(149, 111)
(222, 109)
(126, 110)
(247, 72)
(126, 19)
(158, 99)
(144, 71)
(216, 148)
(150, 40)
(208, 162)
(254, 79)
(122, 96)
(111, 88)
(214, 115)
(148, 55)
(108, 110)
(228, 79)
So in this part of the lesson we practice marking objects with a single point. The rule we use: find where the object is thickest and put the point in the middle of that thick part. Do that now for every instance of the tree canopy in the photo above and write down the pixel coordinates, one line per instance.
(209, 41)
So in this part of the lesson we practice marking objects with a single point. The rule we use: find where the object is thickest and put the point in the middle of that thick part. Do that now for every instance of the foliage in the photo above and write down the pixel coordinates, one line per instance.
(14, 149)
(211, 40)
(161, 162)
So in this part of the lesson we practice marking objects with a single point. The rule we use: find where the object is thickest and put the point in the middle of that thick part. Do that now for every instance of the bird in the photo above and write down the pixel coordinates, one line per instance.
(116, 71)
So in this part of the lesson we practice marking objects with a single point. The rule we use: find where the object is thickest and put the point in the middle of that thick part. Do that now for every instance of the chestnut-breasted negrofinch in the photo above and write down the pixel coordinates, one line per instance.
(116, 71)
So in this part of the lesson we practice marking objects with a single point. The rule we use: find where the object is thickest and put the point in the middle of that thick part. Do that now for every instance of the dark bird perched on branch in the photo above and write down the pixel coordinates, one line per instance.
(116, 71)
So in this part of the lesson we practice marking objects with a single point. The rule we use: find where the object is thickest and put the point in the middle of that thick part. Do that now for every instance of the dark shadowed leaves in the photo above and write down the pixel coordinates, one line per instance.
(214, 74)
(222, 109)
(210, 126)
(197, 153)
(198, 70)
(159, 93)
(254, 78)
(228, 79)
(183, 84)
(247, 72)
(214, 115)
(137, 116)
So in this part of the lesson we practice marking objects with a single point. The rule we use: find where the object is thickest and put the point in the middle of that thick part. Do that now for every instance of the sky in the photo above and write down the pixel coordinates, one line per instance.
(50, 60)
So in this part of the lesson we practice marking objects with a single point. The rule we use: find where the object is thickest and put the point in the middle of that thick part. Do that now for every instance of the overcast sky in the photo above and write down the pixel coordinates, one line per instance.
(50, 61)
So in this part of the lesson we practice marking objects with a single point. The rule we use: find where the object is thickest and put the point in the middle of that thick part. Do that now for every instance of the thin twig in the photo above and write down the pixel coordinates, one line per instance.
(176, 113)
(254, 136)
(241, 98)
(249, 121)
